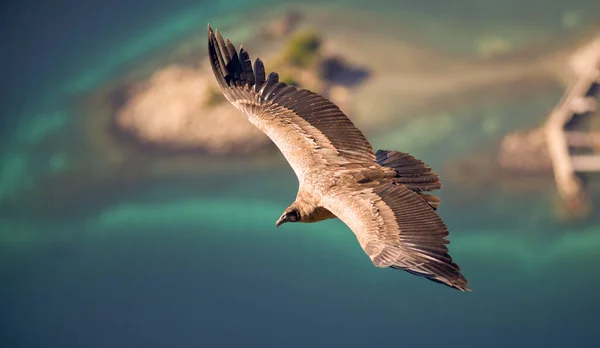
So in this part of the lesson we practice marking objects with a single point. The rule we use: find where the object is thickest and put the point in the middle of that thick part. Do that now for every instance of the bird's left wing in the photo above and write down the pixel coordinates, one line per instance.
(310, 131)
(397, 228)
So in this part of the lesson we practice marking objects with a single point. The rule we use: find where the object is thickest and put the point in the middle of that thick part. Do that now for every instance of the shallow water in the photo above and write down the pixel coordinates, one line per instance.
(196, 260)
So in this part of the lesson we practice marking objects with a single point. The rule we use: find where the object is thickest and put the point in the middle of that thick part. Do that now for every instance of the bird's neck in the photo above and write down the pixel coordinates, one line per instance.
(318, 214)
(310, 209)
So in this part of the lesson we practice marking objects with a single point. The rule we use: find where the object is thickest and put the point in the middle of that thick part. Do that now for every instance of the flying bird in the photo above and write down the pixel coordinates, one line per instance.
(379, 196)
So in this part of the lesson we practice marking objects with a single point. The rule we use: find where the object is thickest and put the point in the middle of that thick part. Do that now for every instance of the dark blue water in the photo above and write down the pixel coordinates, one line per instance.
(45, 43)
(215, 271)
(197, 261)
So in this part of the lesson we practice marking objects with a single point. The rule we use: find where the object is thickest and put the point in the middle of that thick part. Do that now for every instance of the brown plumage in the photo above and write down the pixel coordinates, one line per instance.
(378, 195)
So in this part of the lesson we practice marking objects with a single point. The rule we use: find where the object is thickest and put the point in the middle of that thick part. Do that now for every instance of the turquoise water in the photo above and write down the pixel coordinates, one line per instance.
(195, 259)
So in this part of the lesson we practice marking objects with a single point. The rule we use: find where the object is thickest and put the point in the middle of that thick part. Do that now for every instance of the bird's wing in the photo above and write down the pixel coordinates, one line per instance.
(309, 130)
(398, 229)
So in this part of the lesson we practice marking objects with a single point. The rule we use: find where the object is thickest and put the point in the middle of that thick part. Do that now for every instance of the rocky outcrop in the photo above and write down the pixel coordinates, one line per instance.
(335, 70)
(181, 108)
(525, 152)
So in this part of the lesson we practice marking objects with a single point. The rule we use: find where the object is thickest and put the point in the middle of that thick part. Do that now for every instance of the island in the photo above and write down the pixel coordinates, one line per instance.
(181, 107)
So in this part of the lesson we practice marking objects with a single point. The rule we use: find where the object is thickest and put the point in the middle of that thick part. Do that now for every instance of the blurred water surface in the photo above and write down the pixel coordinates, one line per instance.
(195, 260)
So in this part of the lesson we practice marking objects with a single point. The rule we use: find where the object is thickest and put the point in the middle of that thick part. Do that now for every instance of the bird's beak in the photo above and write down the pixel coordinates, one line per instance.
(280, 221)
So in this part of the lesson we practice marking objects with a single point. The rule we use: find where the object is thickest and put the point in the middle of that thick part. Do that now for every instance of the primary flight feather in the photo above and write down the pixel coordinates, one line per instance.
(378, 195)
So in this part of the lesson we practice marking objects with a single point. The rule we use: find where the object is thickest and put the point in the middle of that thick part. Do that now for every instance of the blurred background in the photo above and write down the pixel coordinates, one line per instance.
(137, 208)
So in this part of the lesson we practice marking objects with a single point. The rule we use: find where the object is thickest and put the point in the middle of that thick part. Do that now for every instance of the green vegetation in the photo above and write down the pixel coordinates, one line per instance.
(302, 49)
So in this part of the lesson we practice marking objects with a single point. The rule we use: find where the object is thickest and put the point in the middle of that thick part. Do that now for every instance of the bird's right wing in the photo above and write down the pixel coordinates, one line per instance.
(398, 229)
(310, 131)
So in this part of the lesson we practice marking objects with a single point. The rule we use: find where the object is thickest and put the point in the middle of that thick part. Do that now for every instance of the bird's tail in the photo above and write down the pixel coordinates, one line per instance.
(412, 173)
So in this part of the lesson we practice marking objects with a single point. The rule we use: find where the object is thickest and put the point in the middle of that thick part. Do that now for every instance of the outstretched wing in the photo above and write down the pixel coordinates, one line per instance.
(398, 229)
(310, 131)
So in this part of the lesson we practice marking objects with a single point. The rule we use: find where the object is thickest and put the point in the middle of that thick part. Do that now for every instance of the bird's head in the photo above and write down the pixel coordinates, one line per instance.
(291, 214)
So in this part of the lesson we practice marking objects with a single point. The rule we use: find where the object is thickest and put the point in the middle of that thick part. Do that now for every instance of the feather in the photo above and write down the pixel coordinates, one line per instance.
(398, 229)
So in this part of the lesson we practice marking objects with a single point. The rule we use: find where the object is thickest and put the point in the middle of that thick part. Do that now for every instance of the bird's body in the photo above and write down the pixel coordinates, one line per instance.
(378, 195)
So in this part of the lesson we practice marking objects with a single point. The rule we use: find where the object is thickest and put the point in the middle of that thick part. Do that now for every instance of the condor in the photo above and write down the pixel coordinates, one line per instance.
(378, 195)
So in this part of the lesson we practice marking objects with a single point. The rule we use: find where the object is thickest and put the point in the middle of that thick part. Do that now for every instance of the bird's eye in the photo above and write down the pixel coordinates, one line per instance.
(293, 216)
